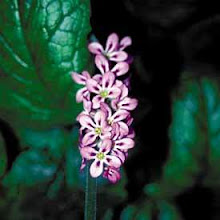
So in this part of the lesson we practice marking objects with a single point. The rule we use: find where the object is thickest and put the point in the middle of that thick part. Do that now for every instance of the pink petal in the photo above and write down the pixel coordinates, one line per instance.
(96, 101)
(131, 133)
(124, 144)
(100, 118)
(120, 68)
(97, 78)
(93, 86)
(102, 64)
(106, 109)
(82, 93)
(113, 161)
(114, 92)
(124, 91)
(125, 42)
(118, 56)
(96, 168)
(87, 105)
(105, 146)
(95, 48)
(78, 78)
(114, 103)
(119, 154)
(128, 104)
(106, 134)
(86, 74)
(87, 122)
(89, 138)
(120, 115)
(83, 164)
(108, 80)
(115, 131)
(112, 174)
(123, 129)
(112, 43)
(88, 153)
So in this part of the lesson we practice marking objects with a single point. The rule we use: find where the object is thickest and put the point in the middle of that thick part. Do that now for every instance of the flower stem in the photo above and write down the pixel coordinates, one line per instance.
(90, 196)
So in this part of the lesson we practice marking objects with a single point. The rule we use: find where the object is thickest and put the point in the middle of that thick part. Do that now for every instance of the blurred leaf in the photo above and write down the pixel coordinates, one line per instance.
(168, 211)
(46, 159)
(147, 210)
(36, 89)
(3, 156)
(194, 137)
(128, 213)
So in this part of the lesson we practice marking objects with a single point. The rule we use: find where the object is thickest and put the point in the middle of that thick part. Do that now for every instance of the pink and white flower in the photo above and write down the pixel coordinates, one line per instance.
(123, 102)
(100, 157)
(105, 133)
(95, 127)
(113, 50)
(103, 65)
(120, 128)
(81, 79)
(112, 174)
(105, 89)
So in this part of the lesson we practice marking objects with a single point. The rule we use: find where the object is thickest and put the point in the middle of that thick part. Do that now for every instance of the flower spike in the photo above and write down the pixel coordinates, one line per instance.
(106, 135)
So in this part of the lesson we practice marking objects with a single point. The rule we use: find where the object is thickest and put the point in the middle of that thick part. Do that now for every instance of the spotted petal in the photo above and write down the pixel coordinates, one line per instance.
(108, 80)
(96, 101)
(78, 78)
(81, 94)
(120, 115)
(89, 138)
(118, 56)
(125, 42)
(114, 92)
(124, 144)
(95, 48)
(87, 122)
(120, 68)
(102, 63)
(93, 86)
(96, 168)
(105, 146)
(112, 43)
(113, 161)
(88, 153)
(128, 104)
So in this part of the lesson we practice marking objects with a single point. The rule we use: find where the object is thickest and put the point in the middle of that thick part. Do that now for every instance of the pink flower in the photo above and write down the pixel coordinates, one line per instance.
(100, 157)
(103, 65)
(112, 174)
(87, 106)
(113, 50)
(97, 127)
(123, 102)
(107, 89)
(81, 79)
(116, 118)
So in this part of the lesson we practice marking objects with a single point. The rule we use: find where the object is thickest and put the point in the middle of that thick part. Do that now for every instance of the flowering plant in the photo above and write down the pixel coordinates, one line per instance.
(106, 134)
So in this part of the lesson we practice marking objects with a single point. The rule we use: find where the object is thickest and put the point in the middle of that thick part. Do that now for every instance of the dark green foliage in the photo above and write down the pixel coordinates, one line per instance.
(41, 42)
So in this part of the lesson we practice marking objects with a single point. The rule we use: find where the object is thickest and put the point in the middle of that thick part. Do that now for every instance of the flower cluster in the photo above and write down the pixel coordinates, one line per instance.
(106, 134)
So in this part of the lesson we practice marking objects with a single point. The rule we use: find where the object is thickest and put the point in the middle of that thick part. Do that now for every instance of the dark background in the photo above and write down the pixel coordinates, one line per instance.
(169, 37)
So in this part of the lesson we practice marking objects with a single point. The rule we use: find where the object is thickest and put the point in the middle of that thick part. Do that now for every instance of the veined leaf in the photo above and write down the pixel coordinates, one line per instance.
(41, 42)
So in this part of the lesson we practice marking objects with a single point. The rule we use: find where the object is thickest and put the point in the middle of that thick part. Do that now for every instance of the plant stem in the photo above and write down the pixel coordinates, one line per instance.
(90, 196)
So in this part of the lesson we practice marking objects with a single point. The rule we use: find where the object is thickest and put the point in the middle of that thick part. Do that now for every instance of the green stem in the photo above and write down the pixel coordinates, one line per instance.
(90, 196)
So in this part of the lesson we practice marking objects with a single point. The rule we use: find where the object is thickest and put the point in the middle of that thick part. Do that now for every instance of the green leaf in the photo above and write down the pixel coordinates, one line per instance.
(41, 42)
(3, 156)
(168, 211)
(44, 160)
(194, 137)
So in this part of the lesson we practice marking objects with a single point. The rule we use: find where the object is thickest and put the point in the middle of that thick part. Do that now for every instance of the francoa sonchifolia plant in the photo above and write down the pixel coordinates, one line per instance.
(38, 98)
